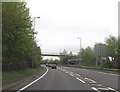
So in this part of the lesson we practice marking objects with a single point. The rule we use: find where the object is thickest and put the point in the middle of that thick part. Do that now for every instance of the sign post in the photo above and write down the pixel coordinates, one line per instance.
(100, 51)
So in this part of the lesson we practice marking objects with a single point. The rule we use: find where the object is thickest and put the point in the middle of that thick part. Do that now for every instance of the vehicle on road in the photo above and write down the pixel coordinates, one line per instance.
(53, 66)
(47, 65)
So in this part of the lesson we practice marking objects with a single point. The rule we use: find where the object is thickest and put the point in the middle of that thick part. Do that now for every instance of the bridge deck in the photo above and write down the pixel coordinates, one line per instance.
(55, 55)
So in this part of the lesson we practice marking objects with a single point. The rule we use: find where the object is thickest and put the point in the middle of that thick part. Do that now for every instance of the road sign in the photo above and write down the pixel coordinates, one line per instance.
(100, 49)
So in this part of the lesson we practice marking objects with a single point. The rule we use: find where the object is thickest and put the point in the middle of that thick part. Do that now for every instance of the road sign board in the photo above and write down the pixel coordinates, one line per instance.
(100, 49)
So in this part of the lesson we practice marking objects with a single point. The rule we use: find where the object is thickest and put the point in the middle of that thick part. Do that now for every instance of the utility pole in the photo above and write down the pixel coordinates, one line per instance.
(33, 35)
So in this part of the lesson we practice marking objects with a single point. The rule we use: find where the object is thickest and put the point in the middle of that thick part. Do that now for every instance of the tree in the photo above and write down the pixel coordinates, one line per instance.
(118, 54)
(112, 45)
(17, 38)
(70, 54)
(87, 56)
(64, 59)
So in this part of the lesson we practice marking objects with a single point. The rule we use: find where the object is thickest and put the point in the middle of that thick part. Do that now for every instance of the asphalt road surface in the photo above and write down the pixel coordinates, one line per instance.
(67, 78)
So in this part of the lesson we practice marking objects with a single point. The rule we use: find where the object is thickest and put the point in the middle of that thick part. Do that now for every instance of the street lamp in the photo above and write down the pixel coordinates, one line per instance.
(80, 42)
(33, 35)
(34, 22)
(80, 47)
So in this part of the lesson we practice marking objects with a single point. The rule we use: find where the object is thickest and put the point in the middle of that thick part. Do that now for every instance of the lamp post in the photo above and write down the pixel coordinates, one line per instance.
(80, 46)
(34, 22)
(80, 42)
(33, 35)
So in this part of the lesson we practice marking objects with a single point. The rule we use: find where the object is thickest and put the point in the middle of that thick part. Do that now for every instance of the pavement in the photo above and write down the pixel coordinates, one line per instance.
(68, 78)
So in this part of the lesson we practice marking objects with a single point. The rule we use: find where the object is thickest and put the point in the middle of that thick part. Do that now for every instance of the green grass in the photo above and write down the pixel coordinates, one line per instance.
(107, 70)
(93, 67)
(0, 78)
(14, 76)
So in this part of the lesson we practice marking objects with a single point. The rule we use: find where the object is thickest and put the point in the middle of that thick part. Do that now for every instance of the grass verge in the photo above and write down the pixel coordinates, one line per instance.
(106, 70)
(14, 76)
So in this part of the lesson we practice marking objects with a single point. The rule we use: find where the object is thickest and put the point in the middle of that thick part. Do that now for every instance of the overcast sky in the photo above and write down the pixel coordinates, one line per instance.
(63, 21)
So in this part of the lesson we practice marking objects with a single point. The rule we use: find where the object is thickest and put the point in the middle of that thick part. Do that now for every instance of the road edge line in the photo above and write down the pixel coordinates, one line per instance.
(33, 81)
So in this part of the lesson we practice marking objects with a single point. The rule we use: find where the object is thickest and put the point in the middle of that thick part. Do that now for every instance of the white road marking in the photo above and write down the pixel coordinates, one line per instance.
(111, 89)
(103, 88)
(90, 80)
(33, 81)
(80, 80)
(97, 84)
(66, 72)
(77, 74)
(71, 75)
(95, 89)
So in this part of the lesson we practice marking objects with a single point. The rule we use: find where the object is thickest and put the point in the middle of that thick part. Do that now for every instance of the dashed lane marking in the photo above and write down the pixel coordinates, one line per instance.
(96, 85)
(80, 80)
(71, 74)
(77, 74)
(90, 80)
(66, 72)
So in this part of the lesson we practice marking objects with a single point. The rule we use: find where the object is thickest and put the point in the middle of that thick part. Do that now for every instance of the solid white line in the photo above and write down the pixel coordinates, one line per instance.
(90, 80)
(80, 80)
(95, 89)
(33, 81)
(71, 74)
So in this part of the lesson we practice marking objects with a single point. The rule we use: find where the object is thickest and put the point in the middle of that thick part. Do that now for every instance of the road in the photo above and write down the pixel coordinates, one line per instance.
(67, 78)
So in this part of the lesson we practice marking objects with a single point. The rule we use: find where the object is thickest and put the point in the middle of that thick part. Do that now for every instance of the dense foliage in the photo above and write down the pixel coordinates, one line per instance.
(112, 43)
(64, 59)
(87, 56)
(19, 49)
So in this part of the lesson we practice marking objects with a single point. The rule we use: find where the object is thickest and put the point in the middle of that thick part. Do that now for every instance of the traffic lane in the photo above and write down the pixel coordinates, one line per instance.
(58, 80)
(106, 79)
